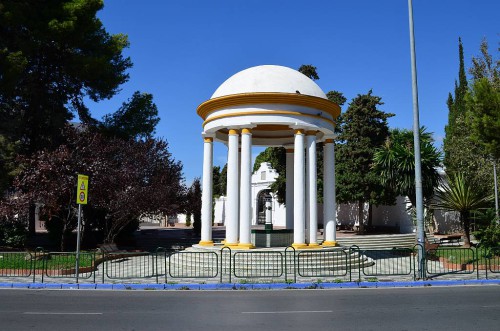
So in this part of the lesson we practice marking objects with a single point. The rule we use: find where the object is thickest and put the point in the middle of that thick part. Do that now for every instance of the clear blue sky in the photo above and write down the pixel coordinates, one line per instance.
(183, 50)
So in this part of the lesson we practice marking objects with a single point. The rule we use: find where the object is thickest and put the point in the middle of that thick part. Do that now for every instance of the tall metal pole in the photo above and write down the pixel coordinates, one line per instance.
(77, 265)
(416, 142)
(496, 186)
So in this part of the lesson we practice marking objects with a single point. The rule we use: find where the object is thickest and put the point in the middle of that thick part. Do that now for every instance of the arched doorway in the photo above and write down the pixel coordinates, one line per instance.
(262, 196)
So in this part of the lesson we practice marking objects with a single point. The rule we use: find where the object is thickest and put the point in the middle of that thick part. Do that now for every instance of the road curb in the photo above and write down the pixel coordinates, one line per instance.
(249, 286)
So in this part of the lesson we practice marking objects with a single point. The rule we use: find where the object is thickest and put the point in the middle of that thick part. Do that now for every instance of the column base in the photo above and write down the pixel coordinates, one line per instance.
(206, 243)
(313, 245)
(231, 245)
(245, 246)
(299, 246)
(329, 244)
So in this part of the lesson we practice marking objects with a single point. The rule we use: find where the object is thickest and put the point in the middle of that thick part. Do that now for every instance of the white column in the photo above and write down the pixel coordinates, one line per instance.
(246, 189)
(312, 193)
(232, 213)
(289, 188)
(329, 199)
(299, 191)
(206, 196)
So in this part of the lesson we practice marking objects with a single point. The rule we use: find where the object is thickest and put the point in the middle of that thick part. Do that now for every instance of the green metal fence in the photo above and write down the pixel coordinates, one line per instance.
(16, 264)
(445, 261)
(258, 264)
(162, 266)
(322, 263)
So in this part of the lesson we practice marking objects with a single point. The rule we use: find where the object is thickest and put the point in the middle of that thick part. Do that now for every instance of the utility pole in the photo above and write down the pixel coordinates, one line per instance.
(416, 143)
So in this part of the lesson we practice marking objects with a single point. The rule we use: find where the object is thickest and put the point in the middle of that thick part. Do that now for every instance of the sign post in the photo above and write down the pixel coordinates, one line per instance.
(81, 199)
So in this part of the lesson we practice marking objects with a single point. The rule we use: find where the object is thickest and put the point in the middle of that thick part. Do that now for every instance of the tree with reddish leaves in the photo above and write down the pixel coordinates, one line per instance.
(127, 179)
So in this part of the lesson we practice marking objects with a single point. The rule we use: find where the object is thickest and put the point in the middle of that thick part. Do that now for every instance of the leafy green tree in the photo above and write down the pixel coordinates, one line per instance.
(309, 70)
(364, 129)
(136, 119)
(483, 102)
(395, 162)
(461, 152)
(53, 54)
(485, 66)
(194, 204)
(8, 165)
(219, 181)
(463, 196)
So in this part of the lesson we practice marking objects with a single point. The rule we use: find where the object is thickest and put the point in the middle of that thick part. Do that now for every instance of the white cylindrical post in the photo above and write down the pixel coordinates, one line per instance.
(329, 200)
(312, 193)
(246, 189)
(299, 192)
(232, 189)
(206, 196)
(289, 188)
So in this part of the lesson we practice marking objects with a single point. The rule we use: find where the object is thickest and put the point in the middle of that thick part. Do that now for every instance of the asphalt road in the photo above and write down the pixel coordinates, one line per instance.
(433, 308)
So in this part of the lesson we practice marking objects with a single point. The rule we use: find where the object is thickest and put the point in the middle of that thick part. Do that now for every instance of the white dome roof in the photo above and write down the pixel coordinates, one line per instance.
(269, 78)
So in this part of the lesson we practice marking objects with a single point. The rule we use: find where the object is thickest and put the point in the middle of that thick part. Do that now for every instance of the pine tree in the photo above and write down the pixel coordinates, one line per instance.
(364, 128)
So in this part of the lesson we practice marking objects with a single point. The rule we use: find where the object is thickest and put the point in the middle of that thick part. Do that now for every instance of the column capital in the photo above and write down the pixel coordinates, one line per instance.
(329, 141)
(208, 139)
(246, 131)
(299, 131)
(233, 132)
(289, 150)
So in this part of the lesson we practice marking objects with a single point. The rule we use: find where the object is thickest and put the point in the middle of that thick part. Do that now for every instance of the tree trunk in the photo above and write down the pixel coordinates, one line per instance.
(361, 205)
(466, 225)
(370, 218)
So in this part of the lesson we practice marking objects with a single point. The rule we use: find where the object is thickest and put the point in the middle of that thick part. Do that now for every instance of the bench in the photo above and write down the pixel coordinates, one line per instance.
(451, 239)
(110, 248)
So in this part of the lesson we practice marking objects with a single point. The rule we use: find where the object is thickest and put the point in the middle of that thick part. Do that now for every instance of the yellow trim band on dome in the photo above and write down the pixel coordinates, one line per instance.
(233, 131)
(268, 98)
(276, 112)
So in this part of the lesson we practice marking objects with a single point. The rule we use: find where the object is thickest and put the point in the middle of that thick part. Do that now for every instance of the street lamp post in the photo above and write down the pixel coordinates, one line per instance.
(416, 142)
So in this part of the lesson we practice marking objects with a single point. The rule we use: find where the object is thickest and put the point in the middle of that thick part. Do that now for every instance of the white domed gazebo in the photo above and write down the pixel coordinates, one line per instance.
(270, 106)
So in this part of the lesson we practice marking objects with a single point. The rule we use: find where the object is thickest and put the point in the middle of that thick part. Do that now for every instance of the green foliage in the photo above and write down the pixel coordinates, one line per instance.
(13, 233)
(463, 196)
(194, 204)
(395, 162)
(309, 70)
(53, 54)
(485, 66)
(455, 133)
(8, 165)
(487, 228)
(337, 97)
(483, 103)
(462, 153)
(363, 129)
(219, 181)
(188, 219)
(136, 119)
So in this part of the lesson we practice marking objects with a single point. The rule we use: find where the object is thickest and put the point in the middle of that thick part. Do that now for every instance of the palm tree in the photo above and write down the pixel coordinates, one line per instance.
(462, 196)
(395, 162)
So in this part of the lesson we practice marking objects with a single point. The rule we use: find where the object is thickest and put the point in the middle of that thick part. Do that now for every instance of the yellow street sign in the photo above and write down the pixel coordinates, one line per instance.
(82, 189)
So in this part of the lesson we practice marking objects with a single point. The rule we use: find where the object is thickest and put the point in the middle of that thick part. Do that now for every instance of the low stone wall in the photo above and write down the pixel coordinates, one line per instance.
(272, 238)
